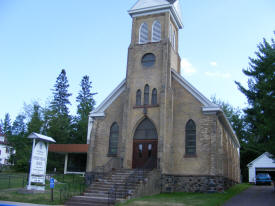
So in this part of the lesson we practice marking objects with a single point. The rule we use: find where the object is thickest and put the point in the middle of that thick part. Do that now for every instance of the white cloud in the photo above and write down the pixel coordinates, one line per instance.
(187, 68)
(218, 75)
(213, 64)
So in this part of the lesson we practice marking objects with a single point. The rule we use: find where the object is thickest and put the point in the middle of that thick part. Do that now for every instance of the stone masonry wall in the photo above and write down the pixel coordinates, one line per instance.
(195, 183)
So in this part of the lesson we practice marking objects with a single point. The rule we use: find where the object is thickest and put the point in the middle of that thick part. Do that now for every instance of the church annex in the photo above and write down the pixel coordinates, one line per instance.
(155, 119)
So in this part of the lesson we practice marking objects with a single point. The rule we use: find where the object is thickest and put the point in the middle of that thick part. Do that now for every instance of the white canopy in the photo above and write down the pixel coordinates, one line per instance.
(41, 137)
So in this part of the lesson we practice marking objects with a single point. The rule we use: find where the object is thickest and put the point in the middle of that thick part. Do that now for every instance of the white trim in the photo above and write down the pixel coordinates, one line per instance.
(156, 10)
(34, 135)
(251, 163)
(233, 135)
(99, 111)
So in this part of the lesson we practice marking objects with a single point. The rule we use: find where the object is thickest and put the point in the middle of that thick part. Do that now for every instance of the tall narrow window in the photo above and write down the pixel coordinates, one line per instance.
(190, 138)
(113, 140)
(146, 94)
(156, 31)
(170, 32)
(154, 97)
(174, 40)
(138, 98)
(143, 33)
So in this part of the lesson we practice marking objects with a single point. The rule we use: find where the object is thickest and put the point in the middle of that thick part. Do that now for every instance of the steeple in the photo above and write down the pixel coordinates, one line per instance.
(146, 7)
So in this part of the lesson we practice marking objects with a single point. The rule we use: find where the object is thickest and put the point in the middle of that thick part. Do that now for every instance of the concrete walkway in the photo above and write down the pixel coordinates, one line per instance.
(6, 203)
(254, 196)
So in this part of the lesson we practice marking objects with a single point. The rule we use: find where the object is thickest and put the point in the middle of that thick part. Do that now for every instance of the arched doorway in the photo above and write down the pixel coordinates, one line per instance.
(145, 145)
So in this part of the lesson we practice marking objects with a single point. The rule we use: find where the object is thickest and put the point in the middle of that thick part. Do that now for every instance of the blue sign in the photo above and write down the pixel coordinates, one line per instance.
(52, 183)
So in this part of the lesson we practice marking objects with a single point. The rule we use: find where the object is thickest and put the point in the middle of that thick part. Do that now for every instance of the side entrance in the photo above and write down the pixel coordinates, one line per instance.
(145, 146)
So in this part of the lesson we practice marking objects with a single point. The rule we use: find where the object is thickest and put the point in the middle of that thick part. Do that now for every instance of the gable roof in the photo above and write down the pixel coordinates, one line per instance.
(190, 88)
(99, 111)
(258, 158)
(208, 106)
(145, 7)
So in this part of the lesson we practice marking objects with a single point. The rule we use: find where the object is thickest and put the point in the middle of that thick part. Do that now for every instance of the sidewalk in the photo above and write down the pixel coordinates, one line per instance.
(6, 203)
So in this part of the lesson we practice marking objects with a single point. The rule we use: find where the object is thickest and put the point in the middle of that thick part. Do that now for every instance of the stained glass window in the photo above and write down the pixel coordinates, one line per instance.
(113, 140)
(190, 138)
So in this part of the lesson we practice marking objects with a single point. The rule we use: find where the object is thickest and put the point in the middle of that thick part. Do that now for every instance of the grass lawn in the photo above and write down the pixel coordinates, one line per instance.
(64, 189)
(187, 199)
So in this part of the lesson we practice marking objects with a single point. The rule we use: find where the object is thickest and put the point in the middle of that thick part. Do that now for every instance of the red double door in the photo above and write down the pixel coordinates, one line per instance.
(145, 154)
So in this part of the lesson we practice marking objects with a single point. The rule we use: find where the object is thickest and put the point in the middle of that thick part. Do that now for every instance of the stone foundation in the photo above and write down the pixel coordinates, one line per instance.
(182, 183)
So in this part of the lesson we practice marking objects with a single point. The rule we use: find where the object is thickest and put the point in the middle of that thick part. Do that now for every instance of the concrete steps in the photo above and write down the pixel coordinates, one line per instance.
(97, 193)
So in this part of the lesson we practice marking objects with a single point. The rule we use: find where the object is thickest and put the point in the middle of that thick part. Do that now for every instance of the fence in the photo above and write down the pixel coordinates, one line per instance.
(65, 187)
(13, 181)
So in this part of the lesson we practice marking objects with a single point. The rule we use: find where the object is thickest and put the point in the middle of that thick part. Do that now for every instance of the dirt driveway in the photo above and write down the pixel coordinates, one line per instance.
(254, 196)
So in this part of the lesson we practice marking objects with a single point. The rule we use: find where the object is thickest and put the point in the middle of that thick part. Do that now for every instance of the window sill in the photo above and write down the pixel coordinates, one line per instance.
(146, 106)
(190, 156)
(111, 155)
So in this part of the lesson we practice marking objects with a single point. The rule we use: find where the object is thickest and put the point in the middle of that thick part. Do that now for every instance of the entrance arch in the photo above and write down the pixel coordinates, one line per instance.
(145, 145)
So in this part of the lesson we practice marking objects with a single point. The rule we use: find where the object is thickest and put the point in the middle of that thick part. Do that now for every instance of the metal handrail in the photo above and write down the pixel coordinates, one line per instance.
(137, 176)
(106, 167)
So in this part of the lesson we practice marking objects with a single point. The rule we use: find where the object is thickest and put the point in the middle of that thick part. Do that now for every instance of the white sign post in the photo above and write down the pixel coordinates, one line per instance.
(38, 162)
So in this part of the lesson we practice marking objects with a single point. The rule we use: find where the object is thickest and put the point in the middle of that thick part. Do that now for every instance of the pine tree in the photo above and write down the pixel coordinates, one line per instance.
(36, 122)
(85, 105)
(59, 120)
(7, 128)
(61, 95)
(261, 95)
(19, 126)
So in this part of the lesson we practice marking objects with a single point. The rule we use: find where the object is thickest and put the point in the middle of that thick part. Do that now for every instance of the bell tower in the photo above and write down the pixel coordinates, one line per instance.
(152, 54)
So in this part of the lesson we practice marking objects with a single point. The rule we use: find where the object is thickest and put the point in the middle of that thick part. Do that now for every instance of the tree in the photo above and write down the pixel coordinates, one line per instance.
(59, 120)
(61, 95)
(7, 128)
(19, 126)
(261, 96)
(85, 105)
(20, 144)
(36, 122)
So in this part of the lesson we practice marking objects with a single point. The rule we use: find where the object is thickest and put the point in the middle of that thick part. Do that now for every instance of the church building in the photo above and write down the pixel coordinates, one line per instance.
(155, 119)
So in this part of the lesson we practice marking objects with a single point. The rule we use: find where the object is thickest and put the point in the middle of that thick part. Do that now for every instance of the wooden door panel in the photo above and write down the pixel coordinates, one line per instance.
(143, 150)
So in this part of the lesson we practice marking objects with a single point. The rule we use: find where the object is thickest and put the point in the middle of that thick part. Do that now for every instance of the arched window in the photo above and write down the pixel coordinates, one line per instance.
(156, 31)
(146, 130)
(138, 98)
(143, 33)
(146, 94)
(190, 138)
(154, 97)
(113, 140)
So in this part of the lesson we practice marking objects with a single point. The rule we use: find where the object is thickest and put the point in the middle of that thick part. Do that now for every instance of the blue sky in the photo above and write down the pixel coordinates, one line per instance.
(38, 38)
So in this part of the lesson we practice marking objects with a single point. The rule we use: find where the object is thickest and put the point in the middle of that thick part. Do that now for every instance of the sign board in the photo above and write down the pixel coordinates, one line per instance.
(39, 158)
(52, 183)
(38, 161)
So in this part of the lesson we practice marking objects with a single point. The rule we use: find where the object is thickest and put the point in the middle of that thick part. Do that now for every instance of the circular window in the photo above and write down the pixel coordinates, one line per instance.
(148, 60)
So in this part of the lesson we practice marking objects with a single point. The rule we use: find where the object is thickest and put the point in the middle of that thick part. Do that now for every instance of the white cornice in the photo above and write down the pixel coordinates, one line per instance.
(158, 9)
(208, 106)
(99, 111)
